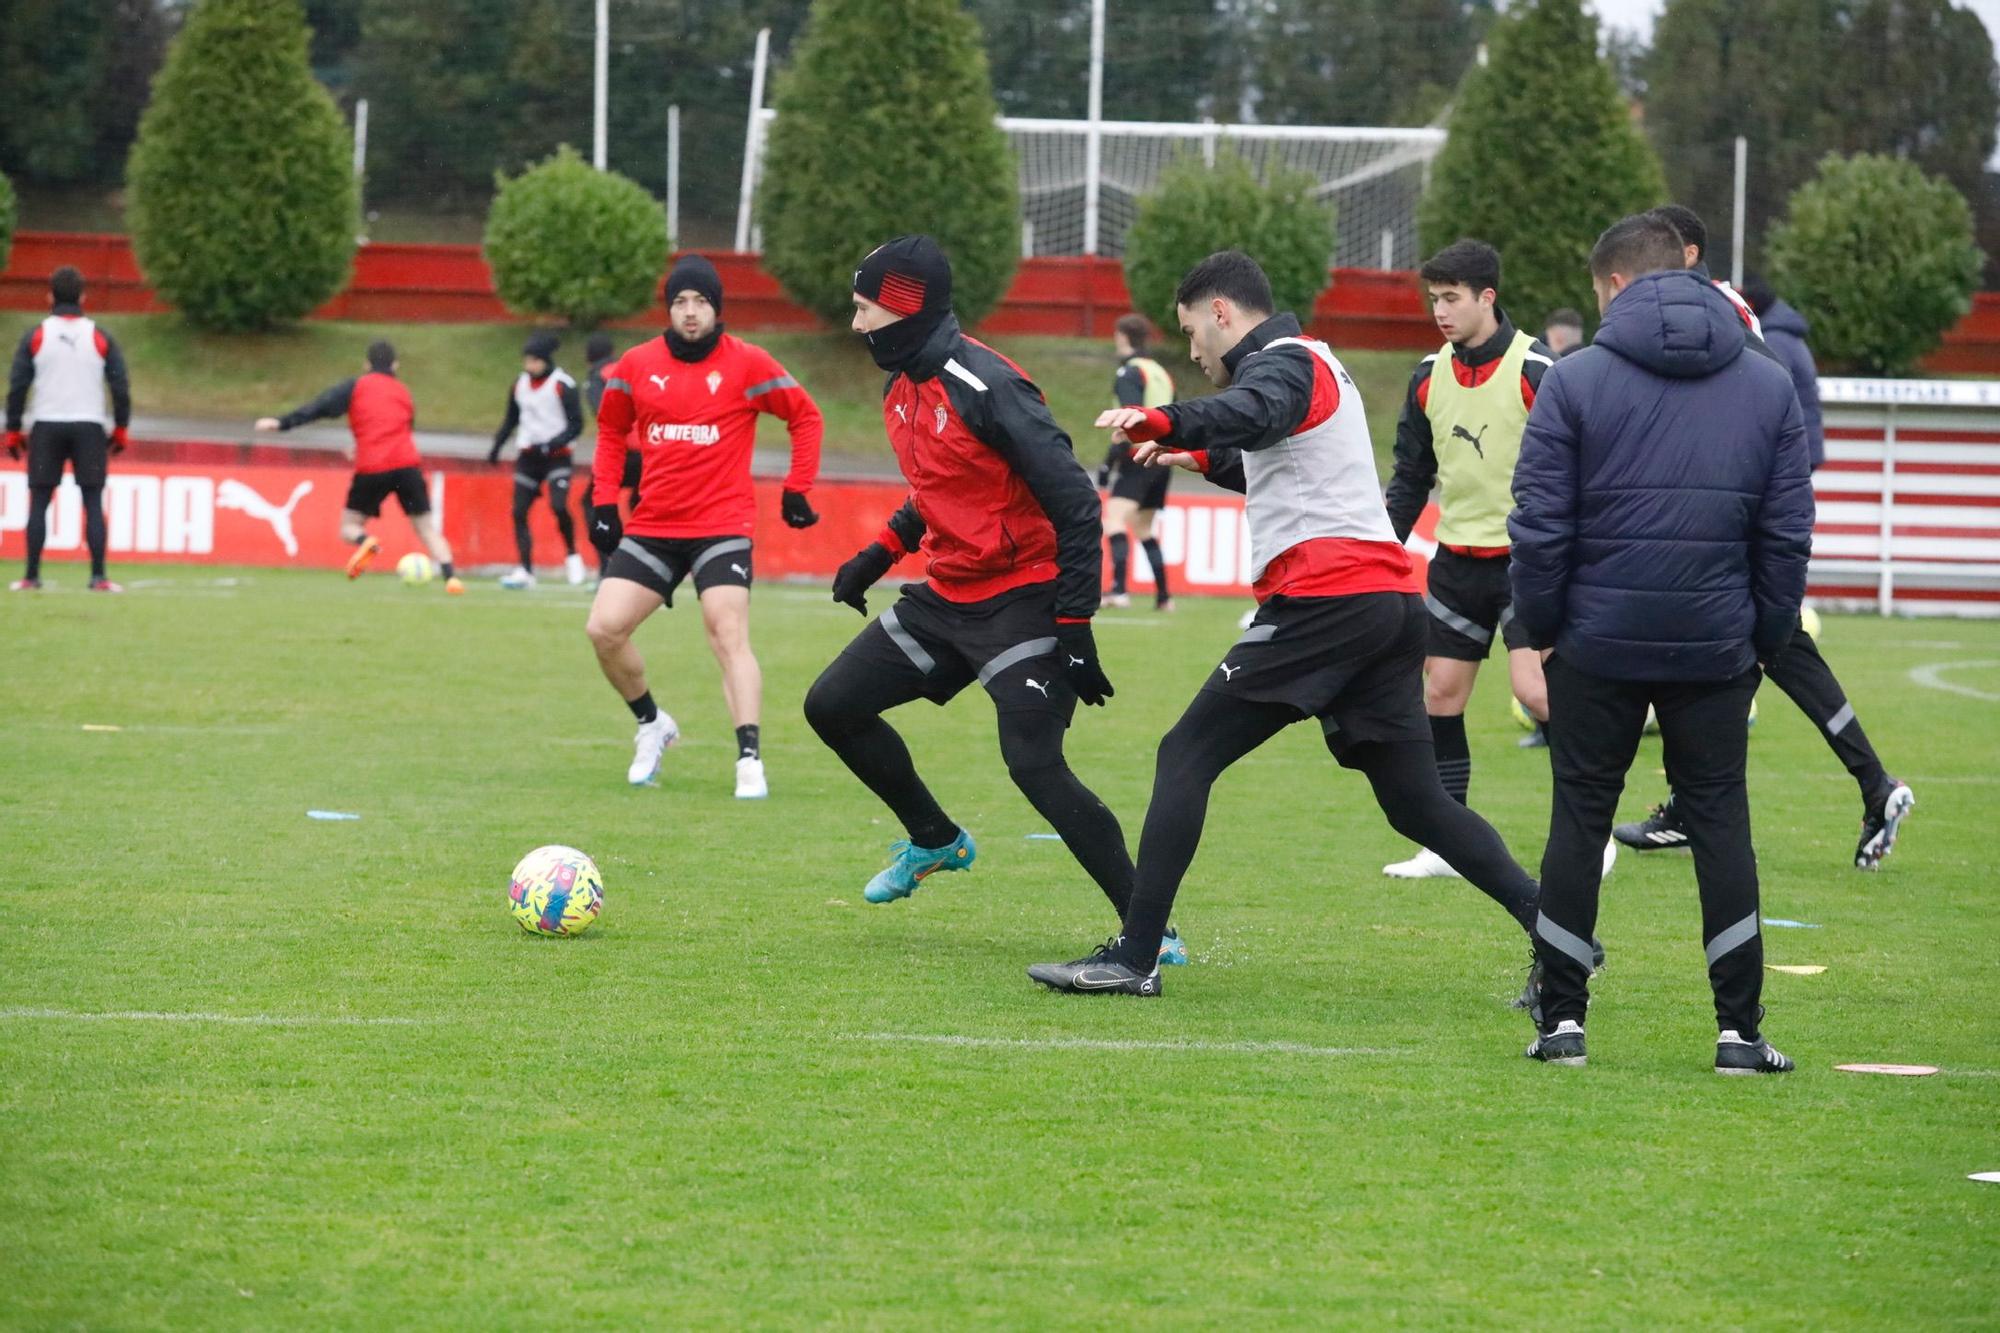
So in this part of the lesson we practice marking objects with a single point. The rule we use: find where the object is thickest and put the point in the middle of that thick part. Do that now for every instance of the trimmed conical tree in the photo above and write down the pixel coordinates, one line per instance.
(1543, 155)
(885, 126)
(243, 208)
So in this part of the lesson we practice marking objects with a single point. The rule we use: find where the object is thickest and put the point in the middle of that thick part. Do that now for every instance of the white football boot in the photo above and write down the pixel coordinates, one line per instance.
(573, 569)
(750, 784)
(521, 579)
(1426, 864)
(651, 742)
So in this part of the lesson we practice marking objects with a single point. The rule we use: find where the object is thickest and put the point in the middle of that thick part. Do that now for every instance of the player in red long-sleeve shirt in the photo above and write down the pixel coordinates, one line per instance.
(689, 401)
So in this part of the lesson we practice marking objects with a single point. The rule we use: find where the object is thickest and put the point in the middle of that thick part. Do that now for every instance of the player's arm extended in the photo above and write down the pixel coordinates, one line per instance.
(1542, 528)
(1019, 427)
(332, 403)
(781, 395)
(614, 428)
(1270, 397)
(1416, 465)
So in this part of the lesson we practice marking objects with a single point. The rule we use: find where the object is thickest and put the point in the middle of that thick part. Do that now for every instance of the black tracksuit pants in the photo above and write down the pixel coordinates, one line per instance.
(1594, 729)
(1809, 682)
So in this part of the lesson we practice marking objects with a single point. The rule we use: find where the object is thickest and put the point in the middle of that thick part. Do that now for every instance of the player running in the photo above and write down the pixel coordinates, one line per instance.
(1139, 493)
(1339, 635)
(1460, 428)
(545, 407)
(61, 371)
(1009, 525)
(689, 400)
(1799, 671)
(382, 416)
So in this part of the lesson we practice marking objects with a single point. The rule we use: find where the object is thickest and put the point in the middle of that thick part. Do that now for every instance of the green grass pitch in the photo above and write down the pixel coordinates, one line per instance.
(260, 1071)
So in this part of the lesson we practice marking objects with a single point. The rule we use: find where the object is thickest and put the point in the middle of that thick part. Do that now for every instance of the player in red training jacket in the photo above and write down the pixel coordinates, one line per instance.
(688, 401)
(382, 416)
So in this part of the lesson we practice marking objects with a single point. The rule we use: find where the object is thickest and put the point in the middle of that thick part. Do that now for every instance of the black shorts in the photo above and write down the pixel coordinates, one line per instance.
(1469, 597)
(1146, 485)
(660, 563)
(1356, 663)
(533, 467)
(81, 444)
(368, 490)
(937, 648)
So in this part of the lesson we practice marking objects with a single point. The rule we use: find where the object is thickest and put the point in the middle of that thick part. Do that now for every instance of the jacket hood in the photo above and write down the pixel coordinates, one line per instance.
(1783, 318)
(1673, 324)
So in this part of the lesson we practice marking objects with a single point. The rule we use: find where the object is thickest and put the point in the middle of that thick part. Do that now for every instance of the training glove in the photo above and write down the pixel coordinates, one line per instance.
(120, 438)
(1078, 647)
(16, 443)
(607, 529)
(796, 511)
(857, 576)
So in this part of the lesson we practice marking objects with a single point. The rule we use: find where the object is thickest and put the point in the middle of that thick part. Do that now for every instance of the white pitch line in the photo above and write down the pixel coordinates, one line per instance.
(248, 1020)
(1116, 1044)
(1931, 677)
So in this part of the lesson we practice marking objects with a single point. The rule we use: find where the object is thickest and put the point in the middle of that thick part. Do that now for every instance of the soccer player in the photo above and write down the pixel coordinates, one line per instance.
(1800, 672)
(1139, 493)
(1460, 428)
(1009, 524)
(1661, 555)
(61, 370)
(545, 407)
(382, 416)
(689, 400)
(1340, 631)
(1563, 332)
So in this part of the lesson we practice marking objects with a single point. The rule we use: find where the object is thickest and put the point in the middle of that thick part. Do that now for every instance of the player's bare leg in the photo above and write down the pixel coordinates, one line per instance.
(1524, 673)
(354, 531)
(427, 532)
(618, 610)
(725, 615)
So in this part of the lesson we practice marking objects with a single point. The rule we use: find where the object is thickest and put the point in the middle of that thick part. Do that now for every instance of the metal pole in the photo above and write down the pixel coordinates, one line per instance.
(1736, 226)
(750, 139)
(1093, 144)
(601, 101)
(674, 173)
(1388, 248)
(361, 160)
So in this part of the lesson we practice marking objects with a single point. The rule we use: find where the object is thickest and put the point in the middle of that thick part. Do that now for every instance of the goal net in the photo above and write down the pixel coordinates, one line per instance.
(1372, 177)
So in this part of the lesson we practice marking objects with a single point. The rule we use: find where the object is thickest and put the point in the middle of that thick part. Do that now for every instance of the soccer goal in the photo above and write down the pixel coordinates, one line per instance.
(1079, 197)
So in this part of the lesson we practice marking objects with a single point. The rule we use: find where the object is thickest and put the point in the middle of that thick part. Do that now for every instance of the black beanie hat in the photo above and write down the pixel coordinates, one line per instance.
(908, 275)
(694, 273)
(542, 345)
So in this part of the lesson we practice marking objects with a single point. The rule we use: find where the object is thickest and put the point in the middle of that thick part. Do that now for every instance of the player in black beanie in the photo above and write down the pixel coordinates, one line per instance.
(692, 273)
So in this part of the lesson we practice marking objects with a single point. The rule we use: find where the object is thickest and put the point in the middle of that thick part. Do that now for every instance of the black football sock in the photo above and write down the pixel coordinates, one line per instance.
(1121, 562)
(445, 568)
(1454, 756)
(524, 540)
(1158, 561)
(93, 528)
(644, 708)
(38, 527)
(746, 741)
(1031, 744)
(565, 521)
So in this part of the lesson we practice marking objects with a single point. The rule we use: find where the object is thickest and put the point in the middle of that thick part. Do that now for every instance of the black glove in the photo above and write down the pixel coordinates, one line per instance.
(494, 455)
(1078, 647)
(857, 576)
(607, 528)
(1104, 477)
(796, 511)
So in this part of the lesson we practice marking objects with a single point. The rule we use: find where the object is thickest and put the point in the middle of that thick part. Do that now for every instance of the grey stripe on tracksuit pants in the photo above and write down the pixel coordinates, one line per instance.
(1594, 728)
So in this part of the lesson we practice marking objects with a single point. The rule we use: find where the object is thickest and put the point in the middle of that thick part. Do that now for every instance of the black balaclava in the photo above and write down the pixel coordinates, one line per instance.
(911, 277)
(542, 345)
(693, 273)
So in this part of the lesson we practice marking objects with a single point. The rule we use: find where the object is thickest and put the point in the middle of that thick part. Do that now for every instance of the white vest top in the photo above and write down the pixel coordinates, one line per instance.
(69, 373)
(542, 415)
(1318, 483)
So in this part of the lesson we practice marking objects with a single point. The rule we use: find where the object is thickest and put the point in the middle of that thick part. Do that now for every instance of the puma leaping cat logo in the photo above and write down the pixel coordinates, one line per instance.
(1461, 433)
(1034, 684)
(233, 494)
(1228, 671)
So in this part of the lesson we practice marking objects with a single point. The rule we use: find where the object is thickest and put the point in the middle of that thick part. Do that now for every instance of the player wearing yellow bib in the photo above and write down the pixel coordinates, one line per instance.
(1138, 494)
(1460, 430)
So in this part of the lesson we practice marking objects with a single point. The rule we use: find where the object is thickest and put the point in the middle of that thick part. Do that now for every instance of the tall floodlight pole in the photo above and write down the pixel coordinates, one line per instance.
(750, 138)
(674, 173)
(361, 158)
(601, 100)
(1093, 144)
(1736, 225)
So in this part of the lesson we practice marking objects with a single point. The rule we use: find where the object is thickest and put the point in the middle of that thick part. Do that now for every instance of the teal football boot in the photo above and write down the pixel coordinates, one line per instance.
(913, 864)
(1173, 952)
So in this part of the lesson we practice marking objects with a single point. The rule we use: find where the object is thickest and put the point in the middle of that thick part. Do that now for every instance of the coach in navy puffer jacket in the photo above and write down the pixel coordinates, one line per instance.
(1663, 499)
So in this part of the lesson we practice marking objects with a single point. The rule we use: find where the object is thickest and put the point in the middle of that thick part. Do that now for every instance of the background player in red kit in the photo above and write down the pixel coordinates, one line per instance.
(382, 416)
(690, 400)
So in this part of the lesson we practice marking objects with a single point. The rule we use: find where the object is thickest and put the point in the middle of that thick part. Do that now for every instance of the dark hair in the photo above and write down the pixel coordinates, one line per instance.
(1757, 290)
(1693, 231)
(1474, 264)
(66, 285)
(1230, 274)
(381, 354)
(1566, 317)
(1641, 243)
(1138, 330)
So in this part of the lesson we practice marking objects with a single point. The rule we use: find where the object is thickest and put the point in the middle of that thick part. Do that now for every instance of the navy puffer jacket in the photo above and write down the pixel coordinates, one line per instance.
(1785, 334)
(1663, 504)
